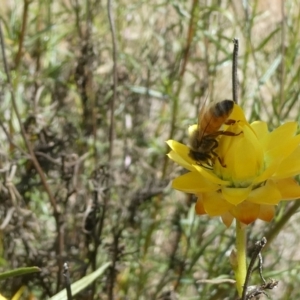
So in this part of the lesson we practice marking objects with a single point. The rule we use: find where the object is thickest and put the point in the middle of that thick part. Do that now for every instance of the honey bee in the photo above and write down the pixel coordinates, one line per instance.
(203, 140)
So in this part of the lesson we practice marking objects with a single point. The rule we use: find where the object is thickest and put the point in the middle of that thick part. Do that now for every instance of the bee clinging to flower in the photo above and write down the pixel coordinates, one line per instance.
(203, 140)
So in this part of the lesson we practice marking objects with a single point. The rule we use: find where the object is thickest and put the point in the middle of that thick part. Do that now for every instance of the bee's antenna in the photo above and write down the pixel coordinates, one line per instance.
(234, 70)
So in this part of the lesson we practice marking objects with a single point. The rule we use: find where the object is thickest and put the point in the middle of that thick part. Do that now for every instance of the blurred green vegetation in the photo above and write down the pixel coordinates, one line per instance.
(96, 187)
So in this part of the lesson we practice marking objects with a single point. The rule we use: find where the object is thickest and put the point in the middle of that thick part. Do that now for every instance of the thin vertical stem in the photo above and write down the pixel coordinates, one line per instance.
(256, 254)
(115, 77)
(22, 34)
(283, 47)
(67, 280)
(241, 270)
(234, 70)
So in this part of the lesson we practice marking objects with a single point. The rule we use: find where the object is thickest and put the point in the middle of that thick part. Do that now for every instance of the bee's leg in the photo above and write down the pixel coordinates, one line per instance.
(230, 122)
(219, 158)
(208, 166)
(229, 133)
(221, 162)
(223, 132)
(215, 145)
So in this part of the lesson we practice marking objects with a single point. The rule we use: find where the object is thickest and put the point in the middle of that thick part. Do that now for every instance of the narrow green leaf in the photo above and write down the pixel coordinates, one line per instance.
(267, 39)
(145, 91)
(81, 284)
(19, 272)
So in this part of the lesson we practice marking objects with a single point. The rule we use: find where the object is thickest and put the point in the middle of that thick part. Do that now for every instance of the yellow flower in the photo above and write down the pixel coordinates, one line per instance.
(254, 171)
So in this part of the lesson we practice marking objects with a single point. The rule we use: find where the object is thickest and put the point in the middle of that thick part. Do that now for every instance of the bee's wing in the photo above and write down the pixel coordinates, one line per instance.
(205, 117)
(213, 116)
(202, 116)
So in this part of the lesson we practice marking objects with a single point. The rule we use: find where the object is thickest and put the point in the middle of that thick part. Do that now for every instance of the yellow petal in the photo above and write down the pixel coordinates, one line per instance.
(267, 173)
(180, 160)
(290, 166)
(244, 159)
(235, 195)
(282, 162)
(260, 129)
(199, 208)
(246, 212)
(227, 219)
(193, 183)
(266, 194)
(279, 135)
(214, 204)
(285, 147)
(209, 175)
(237, 114)
(180, 149)
(225, 145)
(266, 212)
(289, 188)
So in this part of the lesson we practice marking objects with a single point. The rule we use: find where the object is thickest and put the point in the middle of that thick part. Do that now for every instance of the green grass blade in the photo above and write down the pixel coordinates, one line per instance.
(81, 284)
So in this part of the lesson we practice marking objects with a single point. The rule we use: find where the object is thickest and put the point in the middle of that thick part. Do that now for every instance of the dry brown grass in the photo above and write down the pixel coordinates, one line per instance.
(62, 79)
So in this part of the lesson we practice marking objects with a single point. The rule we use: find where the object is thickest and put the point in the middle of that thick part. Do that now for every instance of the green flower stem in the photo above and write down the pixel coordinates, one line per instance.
(241, 268)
